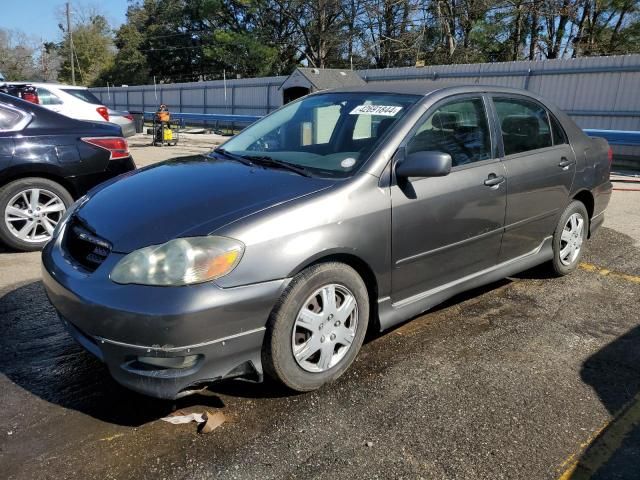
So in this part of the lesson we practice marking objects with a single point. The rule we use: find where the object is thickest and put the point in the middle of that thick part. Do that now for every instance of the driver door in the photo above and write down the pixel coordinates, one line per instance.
(446, 228)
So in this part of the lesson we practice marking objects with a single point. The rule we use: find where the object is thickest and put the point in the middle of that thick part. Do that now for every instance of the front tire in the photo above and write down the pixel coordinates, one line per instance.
(30, 208)
(317, 327)
(569, 237)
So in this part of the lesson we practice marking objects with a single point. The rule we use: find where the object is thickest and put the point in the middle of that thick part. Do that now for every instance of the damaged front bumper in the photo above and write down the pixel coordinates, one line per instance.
(171, 373)
(161, 341)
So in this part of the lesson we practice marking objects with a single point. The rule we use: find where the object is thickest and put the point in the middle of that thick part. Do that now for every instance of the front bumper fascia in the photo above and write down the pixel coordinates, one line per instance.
(223, 327)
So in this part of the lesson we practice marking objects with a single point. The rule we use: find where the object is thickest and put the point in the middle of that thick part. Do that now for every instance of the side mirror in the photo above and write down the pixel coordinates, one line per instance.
(424, 164)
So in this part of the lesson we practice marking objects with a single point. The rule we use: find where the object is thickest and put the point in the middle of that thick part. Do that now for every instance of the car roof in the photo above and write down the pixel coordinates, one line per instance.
(48, 85)
(425, 87)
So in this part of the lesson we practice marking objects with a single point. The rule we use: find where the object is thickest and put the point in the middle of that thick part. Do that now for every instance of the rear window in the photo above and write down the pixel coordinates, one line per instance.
(84, 95)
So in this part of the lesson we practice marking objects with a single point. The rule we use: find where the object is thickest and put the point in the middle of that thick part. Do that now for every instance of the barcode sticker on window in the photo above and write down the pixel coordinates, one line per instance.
(383, 110)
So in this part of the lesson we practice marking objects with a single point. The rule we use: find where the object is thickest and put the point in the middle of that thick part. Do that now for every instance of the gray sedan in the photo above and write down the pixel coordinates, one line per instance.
(124, 120)
(344, 211)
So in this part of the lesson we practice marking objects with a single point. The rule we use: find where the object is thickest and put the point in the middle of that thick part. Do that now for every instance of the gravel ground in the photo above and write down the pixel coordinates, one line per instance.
(509, 381)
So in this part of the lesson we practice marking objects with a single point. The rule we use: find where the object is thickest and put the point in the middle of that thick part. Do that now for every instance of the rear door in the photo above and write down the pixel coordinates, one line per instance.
(445, 228)
(540, 166)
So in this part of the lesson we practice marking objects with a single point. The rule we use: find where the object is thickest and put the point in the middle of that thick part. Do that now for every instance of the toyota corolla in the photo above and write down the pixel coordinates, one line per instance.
(342, 211)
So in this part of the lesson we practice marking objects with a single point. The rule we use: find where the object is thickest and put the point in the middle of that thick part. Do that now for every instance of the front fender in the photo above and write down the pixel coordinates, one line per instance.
(353, 219)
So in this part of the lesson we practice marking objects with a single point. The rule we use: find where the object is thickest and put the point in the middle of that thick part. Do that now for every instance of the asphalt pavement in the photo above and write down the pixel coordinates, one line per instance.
(532, 377)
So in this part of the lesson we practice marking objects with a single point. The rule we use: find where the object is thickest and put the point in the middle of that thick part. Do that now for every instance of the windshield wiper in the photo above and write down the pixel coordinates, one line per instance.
(233, 156)
(272, 162)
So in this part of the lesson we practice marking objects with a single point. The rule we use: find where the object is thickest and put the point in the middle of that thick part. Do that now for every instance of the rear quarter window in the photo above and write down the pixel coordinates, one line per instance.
(84, 95)
(12, 119)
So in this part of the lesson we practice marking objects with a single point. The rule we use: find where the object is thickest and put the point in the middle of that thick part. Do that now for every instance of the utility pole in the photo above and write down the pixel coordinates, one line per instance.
(73, 68)
(42, 60)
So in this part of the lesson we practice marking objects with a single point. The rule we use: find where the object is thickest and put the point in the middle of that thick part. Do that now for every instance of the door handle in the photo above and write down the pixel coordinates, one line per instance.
(565, 163)
(494, 180)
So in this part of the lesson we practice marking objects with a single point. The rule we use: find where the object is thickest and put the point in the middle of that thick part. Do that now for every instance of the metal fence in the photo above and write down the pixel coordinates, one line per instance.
(251, 96)
(597, 92)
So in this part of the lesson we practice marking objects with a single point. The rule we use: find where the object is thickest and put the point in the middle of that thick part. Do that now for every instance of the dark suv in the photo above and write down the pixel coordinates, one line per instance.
(48, 160)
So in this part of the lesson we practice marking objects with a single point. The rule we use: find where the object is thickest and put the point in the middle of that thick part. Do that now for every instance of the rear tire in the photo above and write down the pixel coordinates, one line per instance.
(569, 237)
(317, 327)
(29, 210)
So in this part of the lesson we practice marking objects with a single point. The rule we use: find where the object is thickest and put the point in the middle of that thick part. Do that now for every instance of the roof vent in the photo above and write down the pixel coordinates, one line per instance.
(316, 71)
(343, 74)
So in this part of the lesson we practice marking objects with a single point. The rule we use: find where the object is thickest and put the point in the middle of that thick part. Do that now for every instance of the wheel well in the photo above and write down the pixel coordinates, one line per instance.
(54, 178)
(587, 200)
(366, 273)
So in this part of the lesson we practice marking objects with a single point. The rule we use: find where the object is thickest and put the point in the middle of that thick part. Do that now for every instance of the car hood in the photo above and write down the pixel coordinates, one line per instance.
(185, 197)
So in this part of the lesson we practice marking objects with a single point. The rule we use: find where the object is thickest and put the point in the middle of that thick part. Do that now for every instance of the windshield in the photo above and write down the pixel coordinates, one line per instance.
(331, 134)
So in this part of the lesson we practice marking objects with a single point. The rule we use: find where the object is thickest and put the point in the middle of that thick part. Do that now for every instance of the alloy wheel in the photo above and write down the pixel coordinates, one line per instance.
(32, 214)
(325, 328)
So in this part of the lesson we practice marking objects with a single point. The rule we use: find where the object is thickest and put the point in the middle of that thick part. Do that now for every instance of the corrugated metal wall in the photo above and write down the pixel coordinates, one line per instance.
(250, 96)
(598, 92)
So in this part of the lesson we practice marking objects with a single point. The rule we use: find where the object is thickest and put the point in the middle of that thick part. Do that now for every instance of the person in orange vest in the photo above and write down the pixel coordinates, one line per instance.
(162, 118)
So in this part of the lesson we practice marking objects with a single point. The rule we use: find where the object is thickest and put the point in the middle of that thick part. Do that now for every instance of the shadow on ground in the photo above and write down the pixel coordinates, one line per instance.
(614, 374)
(38, 355)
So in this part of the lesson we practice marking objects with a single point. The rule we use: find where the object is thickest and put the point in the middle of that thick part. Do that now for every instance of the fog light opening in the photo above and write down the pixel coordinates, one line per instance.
(180, 363)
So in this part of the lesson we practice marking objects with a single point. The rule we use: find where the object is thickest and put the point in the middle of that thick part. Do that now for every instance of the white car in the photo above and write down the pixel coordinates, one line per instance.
(72, 101)
(124, 120)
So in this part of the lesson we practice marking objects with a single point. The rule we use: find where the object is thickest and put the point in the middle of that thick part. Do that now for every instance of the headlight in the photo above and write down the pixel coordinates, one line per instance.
(182, 261)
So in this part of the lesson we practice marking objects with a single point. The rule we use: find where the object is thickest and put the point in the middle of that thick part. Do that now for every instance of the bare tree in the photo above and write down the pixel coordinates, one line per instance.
(18, 55)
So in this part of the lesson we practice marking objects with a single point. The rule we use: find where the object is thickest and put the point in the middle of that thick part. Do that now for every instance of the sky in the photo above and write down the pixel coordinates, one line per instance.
(39, 18)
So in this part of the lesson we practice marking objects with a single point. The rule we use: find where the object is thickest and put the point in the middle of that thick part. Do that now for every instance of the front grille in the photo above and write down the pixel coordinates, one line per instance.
(84, 247)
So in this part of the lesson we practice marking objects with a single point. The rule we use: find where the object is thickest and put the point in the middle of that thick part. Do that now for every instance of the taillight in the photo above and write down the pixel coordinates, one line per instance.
(610, 155)
(117, 146)
(128, 117)
(31, 97)
(104, 112)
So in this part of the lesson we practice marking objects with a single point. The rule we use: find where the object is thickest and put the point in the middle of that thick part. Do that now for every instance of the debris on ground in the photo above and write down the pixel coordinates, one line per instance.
(207, 421)
(178, 418)
(212, 421)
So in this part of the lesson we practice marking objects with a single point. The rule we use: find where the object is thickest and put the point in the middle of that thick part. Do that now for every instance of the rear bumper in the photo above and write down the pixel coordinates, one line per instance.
(602, 196)
(83, 183)
(218, 332)
(595, 224)
(128, 129)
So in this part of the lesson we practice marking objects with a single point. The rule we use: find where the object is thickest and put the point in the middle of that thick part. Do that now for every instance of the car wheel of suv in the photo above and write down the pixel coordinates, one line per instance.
(568, 239)
(317, 327)
(31, 208)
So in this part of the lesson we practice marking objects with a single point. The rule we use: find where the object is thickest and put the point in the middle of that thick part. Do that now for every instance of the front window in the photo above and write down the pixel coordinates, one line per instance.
(459, 128)
(328, 134)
